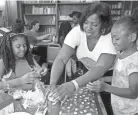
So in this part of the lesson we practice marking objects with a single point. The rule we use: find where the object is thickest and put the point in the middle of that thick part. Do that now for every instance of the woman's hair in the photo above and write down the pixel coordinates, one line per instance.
(33, 24)
(78, 15)
(104, 14)
(17, 26)
(64, 29)
(135, 14)
(129, 23)
(7, 51)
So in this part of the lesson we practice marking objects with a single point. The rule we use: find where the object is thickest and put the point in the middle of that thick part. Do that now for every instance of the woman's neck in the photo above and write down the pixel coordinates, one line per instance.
(33, 30)
(128, 52)
(96, 37)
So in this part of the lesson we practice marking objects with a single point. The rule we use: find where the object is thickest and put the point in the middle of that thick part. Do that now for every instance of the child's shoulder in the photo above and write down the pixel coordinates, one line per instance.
(133, 58)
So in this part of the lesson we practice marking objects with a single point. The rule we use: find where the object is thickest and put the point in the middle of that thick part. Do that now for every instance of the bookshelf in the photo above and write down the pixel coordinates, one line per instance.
(117, 9)
(43, 11)
(51, 13)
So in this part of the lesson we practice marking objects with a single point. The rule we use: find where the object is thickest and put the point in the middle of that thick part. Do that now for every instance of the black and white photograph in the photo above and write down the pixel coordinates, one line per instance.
(68, 57)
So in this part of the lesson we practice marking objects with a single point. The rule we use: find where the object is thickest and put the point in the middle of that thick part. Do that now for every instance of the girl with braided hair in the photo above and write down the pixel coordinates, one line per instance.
(18, 69)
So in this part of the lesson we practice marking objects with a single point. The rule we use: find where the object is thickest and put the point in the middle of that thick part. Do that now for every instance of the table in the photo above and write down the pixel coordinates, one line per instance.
(43, 43)
(83, 102)
(97, 106)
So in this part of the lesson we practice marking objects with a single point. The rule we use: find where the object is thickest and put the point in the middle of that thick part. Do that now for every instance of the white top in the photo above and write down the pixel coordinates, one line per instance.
(122, 69)
(77, 38)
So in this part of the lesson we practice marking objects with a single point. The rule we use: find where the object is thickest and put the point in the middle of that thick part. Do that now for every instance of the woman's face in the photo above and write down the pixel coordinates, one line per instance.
(19, 47)
(75, 19)
(92, 26)
(37, 25)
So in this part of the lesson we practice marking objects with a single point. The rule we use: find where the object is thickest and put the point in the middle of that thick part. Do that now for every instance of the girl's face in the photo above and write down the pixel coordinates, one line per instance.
(120, 37)
(19, 47)
(92, 26)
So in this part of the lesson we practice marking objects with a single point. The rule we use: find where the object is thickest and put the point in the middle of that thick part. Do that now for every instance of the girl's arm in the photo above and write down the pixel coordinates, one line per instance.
(11, 83)
(130, 92)
(106, 79)
(2, 69)
(36, 64)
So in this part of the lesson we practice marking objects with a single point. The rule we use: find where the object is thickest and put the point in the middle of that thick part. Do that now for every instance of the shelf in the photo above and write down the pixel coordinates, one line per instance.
(61, 9)
(116, 15)
(39, 14)
(116, 8)
(48, 25)
(75, 3)
(39, 3)
(65, 20)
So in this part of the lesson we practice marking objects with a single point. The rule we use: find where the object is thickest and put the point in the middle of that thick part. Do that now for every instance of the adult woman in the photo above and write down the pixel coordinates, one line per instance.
(94, 49)
(34, 38)
(64, 29)
(32, 33)
(75, 16)
(17, 26)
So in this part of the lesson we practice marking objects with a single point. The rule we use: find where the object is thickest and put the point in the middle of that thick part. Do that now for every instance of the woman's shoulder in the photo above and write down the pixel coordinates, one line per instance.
(76, 29)
(106, 39)
(107, 36)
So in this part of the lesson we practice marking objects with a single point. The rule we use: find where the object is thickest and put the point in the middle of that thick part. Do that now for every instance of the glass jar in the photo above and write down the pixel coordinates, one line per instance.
(53, 109)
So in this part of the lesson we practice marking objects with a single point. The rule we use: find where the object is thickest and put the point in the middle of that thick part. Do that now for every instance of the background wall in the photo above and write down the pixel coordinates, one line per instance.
(11, 11)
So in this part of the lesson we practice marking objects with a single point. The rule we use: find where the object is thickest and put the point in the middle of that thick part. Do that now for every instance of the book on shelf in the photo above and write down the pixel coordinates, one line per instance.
(43, 10)
(50, 30)
(116, 5)
(38, 1)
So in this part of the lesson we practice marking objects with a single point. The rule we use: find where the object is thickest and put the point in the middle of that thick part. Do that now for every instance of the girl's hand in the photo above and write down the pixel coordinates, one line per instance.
(30, 77)
(96, 86)
(43, 70)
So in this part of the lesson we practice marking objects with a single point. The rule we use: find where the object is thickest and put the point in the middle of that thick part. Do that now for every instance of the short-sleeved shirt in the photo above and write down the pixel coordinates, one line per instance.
(77, 38)
(122, 69)
(32, 35)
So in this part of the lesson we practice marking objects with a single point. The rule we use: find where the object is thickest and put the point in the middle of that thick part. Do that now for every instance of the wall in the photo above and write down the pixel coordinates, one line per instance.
(11, 8)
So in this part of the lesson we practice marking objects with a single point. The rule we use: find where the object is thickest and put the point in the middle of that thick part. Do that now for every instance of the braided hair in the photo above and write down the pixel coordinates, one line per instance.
(7, 51)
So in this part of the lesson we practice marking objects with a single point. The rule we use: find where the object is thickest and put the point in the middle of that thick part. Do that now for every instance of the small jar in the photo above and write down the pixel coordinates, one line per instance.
(53, 108)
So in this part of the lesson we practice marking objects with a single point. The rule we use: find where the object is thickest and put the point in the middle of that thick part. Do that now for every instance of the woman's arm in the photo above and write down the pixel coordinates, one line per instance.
(58, 66)
(130, 92)
(103, 64)
(47, 36)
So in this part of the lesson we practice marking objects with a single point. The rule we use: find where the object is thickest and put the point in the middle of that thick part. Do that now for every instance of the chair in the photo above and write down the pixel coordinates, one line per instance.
(52, 52)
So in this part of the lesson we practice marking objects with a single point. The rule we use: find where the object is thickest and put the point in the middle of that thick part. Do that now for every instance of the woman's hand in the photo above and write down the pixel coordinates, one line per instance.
(30, 77)
(65, 89)
(96, 86)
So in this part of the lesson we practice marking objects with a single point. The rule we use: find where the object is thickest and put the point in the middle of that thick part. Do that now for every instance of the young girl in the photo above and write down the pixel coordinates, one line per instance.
(124, 92)
(18, 69)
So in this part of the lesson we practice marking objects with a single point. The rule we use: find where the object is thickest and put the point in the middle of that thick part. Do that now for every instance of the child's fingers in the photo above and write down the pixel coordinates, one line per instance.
(93, 87)
(90, 87)
(44, 72)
